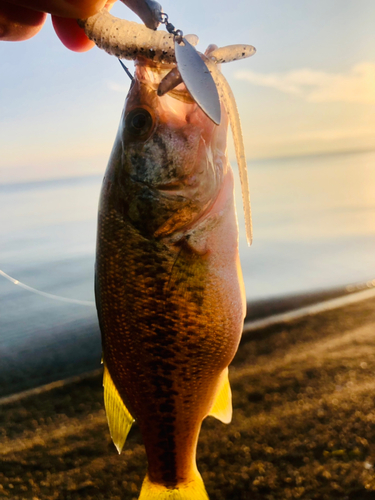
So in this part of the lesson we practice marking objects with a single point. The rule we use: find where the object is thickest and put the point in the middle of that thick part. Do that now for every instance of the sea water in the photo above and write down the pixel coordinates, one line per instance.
(314, 228)
(314, 224)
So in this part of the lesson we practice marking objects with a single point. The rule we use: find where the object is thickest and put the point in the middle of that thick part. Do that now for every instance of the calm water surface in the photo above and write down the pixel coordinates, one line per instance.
(314, 228)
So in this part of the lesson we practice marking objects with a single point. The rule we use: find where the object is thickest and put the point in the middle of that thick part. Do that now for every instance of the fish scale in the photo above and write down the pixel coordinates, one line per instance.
(168, 283)
(161, 335)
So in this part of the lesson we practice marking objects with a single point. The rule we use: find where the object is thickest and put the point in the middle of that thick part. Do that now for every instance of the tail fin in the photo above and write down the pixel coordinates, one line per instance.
(193, 490)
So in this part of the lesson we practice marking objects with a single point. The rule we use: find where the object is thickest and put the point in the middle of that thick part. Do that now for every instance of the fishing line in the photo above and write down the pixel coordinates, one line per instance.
(88, 303)
(126, 70)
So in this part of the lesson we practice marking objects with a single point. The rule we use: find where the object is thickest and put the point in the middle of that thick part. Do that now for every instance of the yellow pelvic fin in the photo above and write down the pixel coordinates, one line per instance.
(193, 490)
(118, 416)
(222, 407)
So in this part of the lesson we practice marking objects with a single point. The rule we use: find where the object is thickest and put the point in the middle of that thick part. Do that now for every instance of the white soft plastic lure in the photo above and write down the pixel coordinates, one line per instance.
(129, 40)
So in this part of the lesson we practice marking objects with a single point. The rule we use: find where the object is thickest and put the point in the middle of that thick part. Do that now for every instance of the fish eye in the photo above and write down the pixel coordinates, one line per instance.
(139, 123)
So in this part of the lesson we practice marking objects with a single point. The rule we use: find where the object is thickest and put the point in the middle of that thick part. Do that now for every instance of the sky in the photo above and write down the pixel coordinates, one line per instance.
(310, 88)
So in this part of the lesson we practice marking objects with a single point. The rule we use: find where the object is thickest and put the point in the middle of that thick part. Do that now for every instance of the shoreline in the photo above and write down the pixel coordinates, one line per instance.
(303, 426)
(75, 347)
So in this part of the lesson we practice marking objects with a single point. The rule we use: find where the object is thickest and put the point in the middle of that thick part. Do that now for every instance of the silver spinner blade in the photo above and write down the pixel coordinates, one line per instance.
(198, 79)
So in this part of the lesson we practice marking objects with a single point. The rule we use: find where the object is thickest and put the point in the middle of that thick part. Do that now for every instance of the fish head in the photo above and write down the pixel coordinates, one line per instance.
(172, 156)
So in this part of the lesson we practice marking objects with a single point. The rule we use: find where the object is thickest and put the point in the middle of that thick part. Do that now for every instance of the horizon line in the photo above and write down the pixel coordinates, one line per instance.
(76, 178)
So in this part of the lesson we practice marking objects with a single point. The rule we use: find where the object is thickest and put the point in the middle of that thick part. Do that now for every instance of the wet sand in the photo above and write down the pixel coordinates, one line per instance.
(303, 425)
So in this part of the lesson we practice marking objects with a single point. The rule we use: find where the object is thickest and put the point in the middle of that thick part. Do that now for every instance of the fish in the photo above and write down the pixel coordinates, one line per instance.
(168, 282)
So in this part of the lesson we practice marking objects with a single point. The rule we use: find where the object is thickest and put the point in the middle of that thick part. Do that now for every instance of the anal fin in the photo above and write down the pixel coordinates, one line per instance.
(118, 417)
(222, 407)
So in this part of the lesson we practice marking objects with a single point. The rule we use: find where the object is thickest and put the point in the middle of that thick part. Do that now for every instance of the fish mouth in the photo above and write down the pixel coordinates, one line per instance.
(151, 74)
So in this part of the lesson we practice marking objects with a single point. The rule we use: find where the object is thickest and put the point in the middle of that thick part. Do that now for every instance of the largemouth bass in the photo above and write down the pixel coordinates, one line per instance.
(169, 287)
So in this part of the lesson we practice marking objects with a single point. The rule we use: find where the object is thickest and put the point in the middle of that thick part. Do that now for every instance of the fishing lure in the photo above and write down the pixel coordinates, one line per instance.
(129, 40)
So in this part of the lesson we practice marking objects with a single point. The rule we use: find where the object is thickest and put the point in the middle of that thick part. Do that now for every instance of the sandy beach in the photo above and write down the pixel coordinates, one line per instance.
(303, 425)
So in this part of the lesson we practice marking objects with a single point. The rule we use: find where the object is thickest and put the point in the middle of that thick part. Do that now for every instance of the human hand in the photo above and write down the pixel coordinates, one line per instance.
(22, 19)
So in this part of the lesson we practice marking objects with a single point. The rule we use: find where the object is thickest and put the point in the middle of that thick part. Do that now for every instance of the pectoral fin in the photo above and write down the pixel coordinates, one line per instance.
(118, 416)
(222, 407)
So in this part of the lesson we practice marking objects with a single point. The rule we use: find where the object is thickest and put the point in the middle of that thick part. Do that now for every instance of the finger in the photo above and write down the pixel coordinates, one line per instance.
(77, 9)
(71, 35)
(19, 23)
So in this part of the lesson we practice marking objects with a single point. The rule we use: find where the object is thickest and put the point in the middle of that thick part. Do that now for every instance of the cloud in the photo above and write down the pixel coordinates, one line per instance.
(356, 85)
(117, 87)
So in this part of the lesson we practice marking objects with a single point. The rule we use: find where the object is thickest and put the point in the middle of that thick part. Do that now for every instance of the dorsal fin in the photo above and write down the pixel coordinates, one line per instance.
(118, 417)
